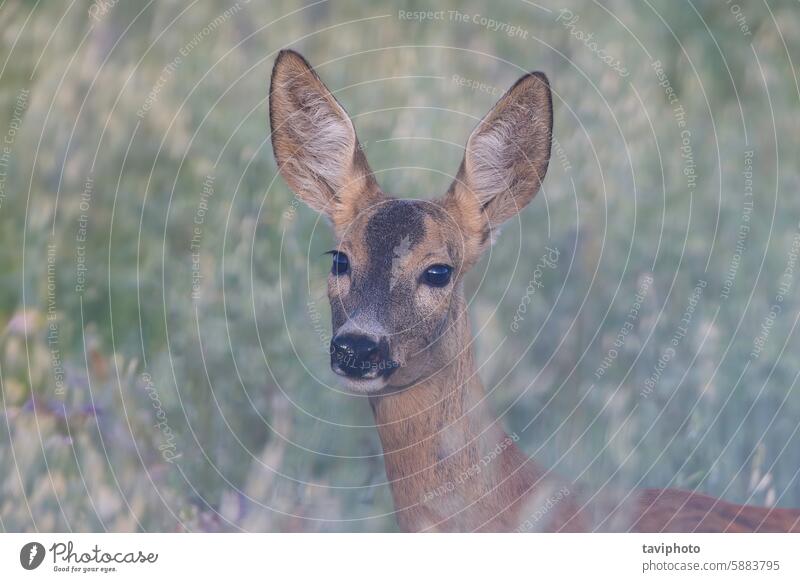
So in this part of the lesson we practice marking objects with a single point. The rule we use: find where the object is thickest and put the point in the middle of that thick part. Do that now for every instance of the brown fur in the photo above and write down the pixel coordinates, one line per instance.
(450, 464)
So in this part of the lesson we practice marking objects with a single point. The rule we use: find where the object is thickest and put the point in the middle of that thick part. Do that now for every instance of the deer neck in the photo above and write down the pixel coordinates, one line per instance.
(443, 449)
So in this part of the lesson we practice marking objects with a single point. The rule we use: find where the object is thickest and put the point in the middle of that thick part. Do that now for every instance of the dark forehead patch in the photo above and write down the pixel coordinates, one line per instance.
(397, 222)
(393, 231)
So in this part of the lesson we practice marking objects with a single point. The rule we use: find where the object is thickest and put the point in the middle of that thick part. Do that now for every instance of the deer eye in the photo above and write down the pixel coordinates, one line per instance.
(437, 275)
(341, 264)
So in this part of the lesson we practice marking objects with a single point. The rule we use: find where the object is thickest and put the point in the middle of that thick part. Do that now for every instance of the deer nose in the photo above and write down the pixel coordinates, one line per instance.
(356, 355)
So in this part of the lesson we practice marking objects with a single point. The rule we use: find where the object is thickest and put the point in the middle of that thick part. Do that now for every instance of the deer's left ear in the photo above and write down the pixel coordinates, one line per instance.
(315, 143)
(505, 162)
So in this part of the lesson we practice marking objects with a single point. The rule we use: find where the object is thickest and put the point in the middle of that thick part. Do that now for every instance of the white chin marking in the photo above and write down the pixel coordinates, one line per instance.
(363, 386)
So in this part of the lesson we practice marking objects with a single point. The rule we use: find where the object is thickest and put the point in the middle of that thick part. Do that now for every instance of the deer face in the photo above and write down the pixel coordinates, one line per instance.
(395, 271)
(395, 281)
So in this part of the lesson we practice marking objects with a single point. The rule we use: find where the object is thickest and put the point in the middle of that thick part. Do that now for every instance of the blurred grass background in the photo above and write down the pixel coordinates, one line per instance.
(129, 404)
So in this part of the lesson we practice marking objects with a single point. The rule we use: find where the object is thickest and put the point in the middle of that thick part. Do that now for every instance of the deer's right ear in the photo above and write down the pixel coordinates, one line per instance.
(504, 163)
(315, 144)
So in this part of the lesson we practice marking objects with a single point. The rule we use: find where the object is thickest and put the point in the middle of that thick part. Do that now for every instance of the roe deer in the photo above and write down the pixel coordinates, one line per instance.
(401, 333)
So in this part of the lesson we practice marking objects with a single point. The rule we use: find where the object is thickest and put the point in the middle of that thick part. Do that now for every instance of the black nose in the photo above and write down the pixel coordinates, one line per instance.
(357, 355)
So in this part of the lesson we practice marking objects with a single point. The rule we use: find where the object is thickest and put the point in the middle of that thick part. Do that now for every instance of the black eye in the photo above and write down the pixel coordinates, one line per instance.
(437, 275)
(341, 264)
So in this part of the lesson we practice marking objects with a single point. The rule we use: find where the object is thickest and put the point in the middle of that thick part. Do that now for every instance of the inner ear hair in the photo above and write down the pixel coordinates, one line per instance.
(506, 159)
(315, 143)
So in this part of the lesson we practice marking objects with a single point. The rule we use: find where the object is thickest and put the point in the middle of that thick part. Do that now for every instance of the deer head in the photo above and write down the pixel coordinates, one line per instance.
(395, 285)
(399, 316)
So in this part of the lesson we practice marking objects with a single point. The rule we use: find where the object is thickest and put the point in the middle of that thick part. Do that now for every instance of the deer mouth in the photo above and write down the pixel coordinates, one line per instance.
(364, 377)
(359, 356)
(359, 371)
